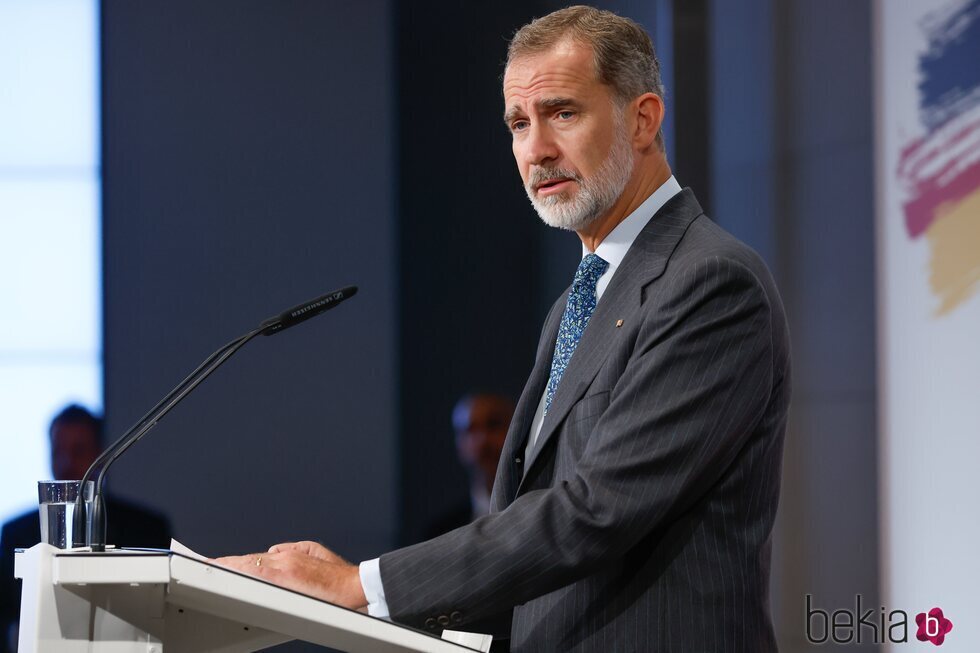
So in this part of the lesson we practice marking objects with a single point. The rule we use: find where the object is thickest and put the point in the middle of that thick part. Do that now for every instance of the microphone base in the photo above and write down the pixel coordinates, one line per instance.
(97, 523)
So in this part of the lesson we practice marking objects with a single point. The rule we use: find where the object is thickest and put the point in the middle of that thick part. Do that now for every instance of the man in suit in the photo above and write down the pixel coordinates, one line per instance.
(480, 421)
(76, 436)
(633, 506)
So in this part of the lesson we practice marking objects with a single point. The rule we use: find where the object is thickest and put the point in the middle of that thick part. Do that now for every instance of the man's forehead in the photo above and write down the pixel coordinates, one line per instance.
(567, 64)
(73, 430)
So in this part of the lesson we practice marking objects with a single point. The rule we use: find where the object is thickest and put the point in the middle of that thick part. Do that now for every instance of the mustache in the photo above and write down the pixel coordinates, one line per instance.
(544, 175)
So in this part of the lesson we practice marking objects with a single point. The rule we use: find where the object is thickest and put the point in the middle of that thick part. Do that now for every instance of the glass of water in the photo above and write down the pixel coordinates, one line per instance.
(56, 501)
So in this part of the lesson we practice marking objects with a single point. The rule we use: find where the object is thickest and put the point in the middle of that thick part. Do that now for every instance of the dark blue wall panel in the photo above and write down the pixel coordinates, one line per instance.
(248, 160)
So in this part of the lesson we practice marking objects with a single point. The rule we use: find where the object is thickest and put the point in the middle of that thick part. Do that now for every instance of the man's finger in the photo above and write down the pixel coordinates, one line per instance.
(253, 564)
(285, 546)
(317, 550)
(235, 562)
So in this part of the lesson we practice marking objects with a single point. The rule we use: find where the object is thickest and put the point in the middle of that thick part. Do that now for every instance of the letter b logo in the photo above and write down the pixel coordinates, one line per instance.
(933, 627)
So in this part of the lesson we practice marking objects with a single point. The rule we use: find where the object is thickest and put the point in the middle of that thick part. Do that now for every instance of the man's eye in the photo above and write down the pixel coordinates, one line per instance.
(518, 125)
(566, 115)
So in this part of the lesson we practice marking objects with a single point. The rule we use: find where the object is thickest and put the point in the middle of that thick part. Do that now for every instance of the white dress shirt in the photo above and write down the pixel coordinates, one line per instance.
(612, 250)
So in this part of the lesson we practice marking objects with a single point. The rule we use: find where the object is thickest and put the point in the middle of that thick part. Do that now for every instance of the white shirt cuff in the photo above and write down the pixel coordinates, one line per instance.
(374, 591)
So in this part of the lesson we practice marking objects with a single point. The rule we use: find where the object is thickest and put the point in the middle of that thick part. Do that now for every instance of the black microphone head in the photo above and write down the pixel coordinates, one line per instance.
(306, 310)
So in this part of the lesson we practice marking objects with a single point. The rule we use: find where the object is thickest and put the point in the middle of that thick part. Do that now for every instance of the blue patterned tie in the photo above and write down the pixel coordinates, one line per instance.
(578, 310)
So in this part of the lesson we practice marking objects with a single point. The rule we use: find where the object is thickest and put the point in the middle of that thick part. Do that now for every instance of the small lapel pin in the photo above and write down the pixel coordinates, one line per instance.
(619, 323)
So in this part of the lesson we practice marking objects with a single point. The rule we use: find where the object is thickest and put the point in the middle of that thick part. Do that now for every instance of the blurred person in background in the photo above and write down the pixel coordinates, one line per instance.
(76, 441)
(480, 420)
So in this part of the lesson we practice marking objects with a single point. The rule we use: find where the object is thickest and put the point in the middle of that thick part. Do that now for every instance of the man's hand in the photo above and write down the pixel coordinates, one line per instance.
(305, 567)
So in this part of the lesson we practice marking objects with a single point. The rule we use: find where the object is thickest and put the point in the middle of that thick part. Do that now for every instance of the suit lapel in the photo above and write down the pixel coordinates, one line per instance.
(520, 427)
(644, 262)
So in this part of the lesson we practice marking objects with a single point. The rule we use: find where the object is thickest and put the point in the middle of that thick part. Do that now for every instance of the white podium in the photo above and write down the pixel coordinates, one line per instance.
(149, 601)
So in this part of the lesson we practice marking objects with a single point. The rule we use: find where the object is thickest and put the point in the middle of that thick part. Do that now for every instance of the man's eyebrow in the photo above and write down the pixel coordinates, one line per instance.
(512, 113)
(555, 102)
(545, 103)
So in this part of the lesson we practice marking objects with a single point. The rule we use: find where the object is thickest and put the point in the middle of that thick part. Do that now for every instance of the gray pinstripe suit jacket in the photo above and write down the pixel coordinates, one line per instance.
(642, 519)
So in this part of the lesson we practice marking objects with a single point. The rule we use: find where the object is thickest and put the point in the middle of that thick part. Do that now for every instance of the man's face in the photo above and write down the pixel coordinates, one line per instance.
(74, 447)
(569, 137)
(481, 424)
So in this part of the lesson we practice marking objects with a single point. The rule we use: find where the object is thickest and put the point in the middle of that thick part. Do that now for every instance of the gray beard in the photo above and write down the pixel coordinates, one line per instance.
(595, 195)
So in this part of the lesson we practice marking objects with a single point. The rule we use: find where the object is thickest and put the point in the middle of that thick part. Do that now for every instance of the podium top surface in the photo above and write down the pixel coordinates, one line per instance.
(205, 587)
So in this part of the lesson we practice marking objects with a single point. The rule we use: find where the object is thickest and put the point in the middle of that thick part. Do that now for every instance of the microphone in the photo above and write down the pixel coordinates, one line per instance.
(95, 523)
(303, 312)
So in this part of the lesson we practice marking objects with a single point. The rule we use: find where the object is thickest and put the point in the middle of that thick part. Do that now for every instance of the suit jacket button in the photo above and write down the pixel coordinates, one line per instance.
(443, 620)
(456, 617)
(430, 623)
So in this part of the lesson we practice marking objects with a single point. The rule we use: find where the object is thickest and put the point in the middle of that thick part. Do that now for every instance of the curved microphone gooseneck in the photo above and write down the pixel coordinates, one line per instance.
(90, 529)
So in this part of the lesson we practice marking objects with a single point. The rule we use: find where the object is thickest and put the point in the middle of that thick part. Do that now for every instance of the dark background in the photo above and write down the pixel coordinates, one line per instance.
(260, 153)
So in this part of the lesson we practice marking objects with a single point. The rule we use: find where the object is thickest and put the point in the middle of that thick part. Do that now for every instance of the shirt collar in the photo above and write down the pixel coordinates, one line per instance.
(613, 247)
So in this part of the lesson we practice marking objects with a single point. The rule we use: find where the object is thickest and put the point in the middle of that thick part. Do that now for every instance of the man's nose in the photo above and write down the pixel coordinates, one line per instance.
(478, 436)
(541, 146)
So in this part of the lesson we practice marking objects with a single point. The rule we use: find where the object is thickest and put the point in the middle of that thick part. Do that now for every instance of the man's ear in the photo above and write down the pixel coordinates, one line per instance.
(649, 117)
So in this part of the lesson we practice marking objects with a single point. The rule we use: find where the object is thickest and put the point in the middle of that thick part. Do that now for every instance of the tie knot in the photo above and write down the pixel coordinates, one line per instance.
(589, 270)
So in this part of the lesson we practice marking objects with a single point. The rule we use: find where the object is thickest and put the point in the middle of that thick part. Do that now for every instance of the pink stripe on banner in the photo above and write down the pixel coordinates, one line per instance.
(940, 168)
(921, 211)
